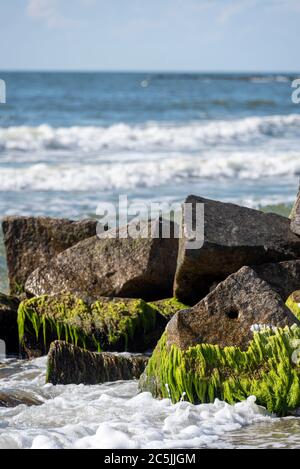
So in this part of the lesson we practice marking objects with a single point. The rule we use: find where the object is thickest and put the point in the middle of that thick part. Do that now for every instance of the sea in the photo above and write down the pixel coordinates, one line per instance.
(71, 141)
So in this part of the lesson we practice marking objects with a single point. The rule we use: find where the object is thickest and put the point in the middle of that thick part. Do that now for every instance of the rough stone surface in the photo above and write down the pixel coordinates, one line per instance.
(226, 315)
(31, 242)
(284, 277)
(72, 365)
(295, 216)
(8, 323)
(234, 236)
(115, 267)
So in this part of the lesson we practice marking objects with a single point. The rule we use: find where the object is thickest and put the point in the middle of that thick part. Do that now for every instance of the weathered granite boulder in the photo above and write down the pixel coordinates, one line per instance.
(234, 236)
(295, 216)
(225, 316)
(8, 323)
(283, 277)
(115, 267)
(31, 242)
(106, 324)
(72, 365)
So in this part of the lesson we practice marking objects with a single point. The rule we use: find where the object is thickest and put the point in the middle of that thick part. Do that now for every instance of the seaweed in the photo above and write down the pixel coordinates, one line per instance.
(206, 372)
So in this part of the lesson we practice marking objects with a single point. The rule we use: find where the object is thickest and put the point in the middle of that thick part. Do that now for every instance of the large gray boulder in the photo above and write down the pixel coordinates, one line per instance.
(31, 242)
(295, 216)
(142, 267)
(8, 323)
(225, 316)
(72, 365)
(234, 236)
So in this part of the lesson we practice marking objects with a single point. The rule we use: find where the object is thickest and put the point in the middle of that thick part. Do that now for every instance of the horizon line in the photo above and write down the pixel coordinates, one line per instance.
(198, 72)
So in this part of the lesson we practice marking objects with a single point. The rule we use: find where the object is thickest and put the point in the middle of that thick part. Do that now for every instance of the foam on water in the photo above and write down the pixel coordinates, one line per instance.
(128, 157)
(113, 415)
(151, 136)
(148, 172)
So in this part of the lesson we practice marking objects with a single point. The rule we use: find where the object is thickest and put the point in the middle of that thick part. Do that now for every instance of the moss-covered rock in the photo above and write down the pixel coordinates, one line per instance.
(268, 369)
(293, 303)
(106, 324)
(168, 307)
(67, 364)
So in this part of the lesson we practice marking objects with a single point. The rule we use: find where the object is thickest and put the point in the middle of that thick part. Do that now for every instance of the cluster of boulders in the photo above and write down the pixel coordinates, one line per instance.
(85, 296)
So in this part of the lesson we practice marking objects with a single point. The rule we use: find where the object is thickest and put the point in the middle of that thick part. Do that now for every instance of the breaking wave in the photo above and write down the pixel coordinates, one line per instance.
(151, 136)
(148, 172)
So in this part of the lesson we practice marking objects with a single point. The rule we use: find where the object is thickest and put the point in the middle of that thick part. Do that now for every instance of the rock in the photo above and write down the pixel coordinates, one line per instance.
(295, 216)
(14, 398)
(283, 277)
(8, 323)
(115, 267)
(234, 236)
(293, 303)
(239, 341)
(225, 316)
(268, 369)
(31, 242)
(72, 365)
(106, 324)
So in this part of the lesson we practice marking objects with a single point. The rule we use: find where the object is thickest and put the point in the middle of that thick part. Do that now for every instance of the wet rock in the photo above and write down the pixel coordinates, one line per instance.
(14, 398)
(31, 242)
(295, 216)
(72, 365)
(115, 267)
(234, 236)
(106, 324)
(225, 316)
(8, 323)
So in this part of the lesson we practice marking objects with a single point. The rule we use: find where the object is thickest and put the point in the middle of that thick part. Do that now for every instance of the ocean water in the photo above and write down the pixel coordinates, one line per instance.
(117, 416)
(69, 141)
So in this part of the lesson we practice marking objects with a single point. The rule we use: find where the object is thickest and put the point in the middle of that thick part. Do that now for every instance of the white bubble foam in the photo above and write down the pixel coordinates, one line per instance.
(113, 416)
(123, 157)
(152, 135)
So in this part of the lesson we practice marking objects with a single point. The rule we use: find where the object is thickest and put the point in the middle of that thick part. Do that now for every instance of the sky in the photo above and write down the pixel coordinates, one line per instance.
(153, 35)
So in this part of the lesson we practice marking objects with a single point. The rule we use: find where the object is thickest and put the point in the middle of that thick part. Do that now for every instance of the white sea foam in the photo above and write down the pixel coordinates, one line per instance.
(114, 416)
(149, 171)
(151, 136)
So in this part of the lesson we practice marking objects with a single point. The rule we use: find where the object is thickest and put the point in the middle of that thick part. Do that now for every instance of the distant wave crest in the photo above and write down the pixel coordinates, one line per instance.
(150, 172)
(151, 136)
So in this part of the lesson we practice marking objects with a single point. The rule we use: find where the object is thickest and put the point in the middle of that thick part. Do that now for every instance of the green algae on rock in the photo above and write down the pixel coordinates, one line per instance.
(106, 324)
(67, 364)
(293, 303)
(169, 306)
(267, 370)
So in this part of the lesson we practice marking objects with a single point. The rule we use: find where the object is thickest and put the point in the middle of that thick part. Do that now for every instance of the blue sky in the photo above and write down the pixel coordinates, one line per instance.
(180, 35)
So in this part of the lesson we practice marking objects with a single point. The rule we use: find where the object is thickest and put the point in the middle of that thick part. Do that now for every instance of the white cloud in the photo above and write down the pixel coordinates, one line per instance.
(46, 10)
